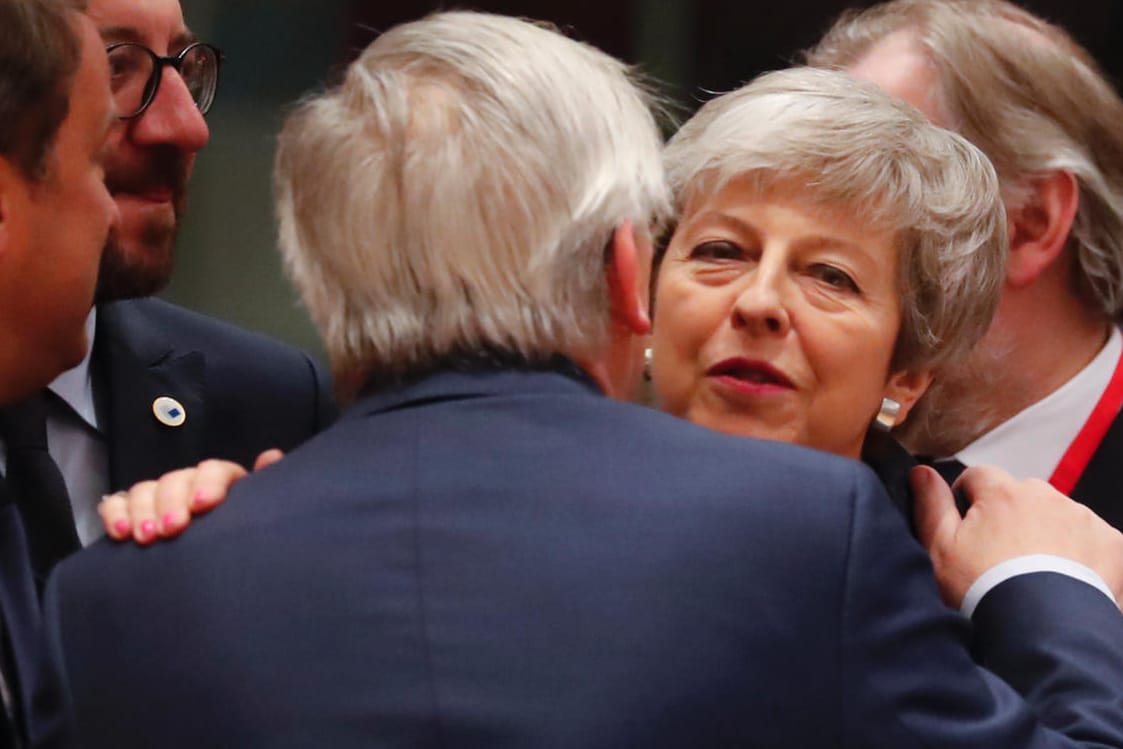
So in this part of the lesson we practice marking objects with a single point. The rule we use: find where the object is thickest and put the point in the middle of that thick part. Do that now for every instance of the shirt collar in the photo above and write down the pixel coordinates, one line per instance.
(75, 386)
(1031, 444)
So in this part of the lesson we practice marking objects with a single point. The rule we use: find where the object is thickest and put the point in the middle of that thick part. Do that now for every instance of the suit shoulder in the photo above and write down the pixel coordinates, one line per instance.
(177, 326)
(668, 455)
(742, 454)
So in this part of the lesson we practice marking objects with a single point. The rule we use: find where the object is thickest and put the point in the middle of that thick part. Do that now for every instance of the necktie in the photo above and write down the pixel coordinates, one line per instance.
(37, 486)
(948, 469)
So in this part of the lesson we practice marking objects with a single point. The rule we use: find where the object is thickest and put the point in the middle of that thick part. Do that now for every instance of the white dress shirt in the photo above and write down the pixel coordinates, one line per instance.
(78, 444)
(1032, 443)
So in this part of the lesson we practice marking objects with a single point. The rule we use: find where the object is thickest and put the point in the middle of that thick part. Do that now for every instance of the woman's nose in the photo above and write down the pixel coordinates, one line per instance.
(760, 308)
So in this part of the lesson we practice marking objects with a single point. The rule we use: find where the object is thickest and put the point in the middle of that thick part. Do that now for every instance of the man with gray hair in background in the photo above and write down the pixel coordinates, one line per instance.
(1041, 394)
(485, 551)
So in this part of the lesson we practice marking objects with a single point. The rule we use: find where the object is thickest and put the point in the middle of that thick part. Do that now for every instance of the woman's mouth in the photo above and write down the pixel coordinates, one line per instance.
(749, 376)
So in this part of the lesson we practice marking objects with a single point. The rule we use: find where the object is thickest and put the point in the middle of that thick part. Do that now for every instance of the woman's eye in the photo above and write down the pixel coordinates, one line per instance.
(834, 277)
(717, 250)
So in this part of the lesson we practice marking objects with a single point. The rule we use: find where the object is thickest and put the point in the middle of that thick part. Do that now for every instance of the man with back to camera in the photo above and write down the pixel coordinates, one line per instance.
(163, 387)
(55, 213)
(1041, 395)
(486, 551)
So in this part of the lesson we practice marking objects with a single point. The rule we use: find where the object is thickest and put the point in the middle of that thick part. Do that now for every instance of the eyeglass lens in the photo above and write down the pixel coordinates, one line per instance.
(134, 76)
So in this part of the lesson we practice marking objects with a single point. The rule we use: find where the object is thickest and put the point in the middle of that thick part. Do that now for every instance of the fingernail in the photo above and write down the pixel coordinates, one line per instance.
(201, 498)
(122, 527)
(170, 521)
(147, 529)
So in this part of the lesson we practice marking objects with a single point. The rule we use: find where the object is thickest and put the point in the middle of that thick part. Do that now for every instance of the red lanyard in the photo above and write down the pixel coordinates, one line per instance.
(1080, 452)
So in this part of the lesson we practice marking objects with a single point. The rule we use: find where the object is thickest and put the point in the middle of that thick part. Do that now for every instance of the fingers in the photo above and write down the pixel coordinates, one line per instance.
(142, 512)
(163, 508)
(212, 481)
(937, 518)
(267, 458)
(173, 501)
(989, 485)
(114, 512)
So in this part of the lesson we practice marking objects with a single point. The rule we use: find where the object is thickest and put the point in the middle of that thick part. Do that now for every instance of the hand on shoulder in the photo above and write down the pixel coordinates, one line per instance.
(163, 508)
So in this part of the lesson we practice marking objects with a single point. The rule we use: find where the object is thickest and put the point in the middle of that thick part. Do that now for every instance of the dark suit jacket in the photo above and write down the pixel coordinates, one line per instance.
(887, 458)
(1101, 485)
(243, 392)
(37, 697)
(512, 560)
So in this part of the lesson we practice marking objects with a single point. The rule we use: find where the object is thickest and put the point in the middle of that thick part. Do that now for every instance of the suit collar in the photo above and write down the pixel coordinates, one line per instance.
(892, 463)
(560, 376)
(133, 366)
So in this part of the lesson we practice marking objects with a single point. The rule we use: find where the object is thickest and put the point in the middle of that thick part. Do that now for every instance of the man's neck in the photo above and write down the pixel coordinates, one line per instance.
(1032, 350)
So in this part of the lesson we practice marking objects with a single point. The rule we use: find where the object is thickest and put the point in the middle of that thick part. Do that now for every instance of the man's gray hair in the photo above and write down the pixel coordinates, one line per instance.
(847, 147)
(1031, 98)
(455, 195)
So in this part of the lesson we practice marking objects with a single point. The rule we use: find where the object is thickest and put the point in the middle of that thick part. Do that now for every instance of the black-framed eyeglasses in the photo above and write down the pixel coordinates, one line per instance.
(135, 72)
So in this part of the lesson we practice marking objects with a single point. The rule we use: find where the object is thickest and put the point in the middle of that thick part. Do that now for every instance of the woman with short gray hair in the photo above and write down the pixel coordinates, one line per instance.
(832, 251)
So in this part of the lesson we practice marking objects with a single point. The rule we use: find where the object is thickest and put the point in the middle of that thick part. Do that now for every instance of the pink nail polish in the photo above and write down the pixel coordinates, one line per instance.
(122, 527)
(170, 520)
(200, 499)
(147, 529)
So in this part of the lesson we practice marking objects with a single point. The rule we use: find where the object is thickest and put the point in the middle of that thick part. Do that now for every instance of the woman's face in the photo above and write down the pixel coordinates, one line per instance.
(777, 319)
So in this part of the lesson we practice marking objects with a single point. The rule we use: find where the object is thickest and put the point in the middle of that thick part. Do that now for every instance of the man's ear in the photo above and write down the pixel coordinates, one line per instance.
(1039, 228)
(906, 387)
(628, 273)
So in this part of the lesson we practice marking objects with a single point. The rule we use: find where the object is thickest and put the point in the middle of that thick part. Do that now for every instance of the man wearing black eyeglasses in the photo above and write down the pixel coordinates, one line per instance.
(163, 387)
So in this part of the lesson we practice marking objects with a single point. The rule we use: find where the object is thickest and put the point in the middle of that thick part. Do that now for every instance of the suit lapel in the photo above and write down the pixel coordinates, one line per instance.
(1101, 485)
(133, 366)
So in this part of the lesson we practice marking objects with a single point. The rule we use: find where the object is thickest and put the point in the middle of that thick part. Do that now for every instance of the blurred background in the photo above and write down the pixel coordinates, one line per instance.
(277, 50)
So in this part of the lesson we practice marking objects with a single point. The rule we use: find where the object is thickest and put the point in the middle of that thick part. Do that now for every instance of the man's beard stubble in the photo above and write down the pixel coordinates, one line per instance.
(141, 265)
(961, 404)
(144, 271)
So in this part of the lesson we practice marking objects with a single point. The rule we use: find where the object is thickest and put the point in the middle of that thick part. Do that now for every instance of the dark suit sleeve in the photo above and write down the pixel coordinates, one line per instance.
(908, 676)
(1076, 638)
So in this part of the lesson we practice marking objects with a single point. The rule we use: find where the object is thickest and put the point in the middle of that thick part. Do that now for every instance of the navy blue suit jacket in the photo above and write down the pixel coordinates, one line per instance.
(243, 392)
(36, 712)
(512, 560)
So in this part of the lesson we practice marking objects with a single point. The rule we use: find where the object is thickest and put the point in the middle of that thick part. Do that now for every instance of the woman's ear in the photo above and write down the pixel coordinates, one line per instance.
(1040, 227)
(906, 387)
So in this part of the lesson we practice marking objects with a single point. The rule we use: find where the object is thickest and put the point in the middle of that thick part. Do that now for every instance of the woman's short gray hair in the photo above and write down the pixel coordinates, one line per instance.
(1031, 98)
(848, 147)
(454, 196)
